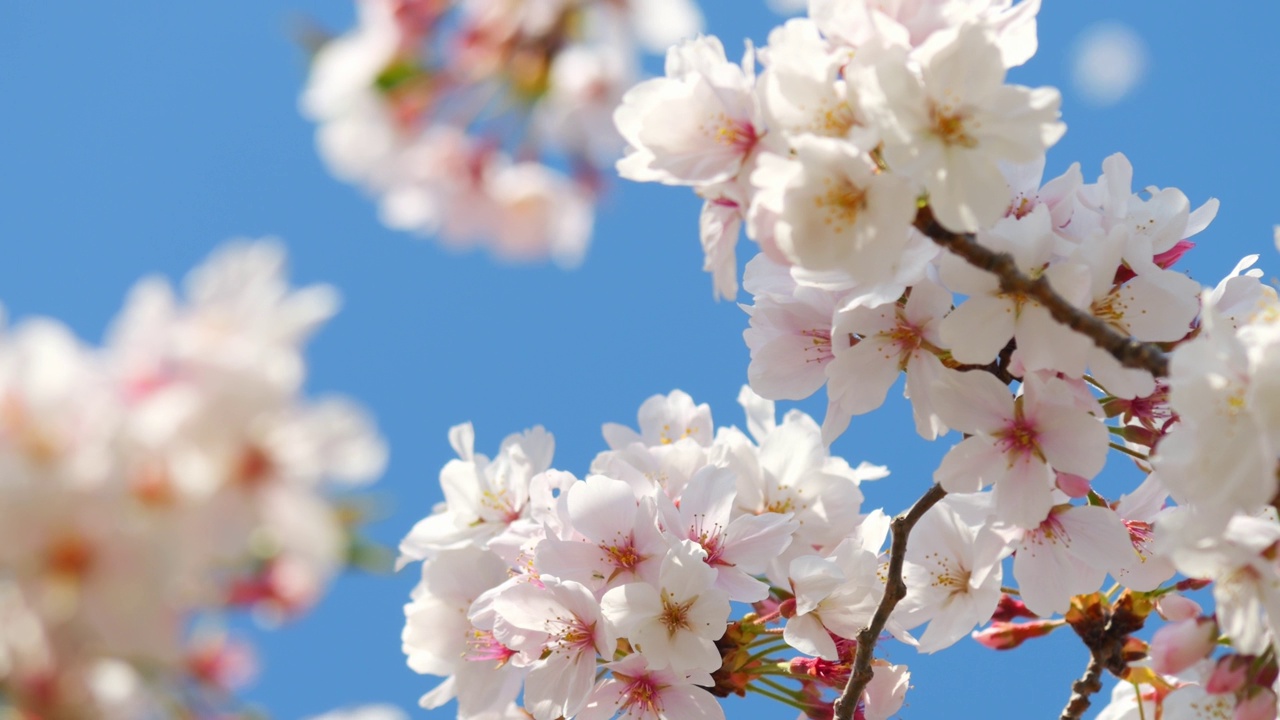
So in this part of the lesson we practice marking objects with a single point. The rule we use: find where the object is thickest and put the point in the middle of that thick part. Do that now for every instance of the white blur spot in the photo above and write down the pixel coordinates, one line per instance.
(1107, 63)
(788, 7)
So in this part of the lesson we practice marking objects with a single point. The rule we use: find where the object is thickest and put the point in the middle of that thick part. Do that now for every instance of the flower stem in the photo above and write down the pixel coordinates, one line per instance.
(1127, 451)
(780, 698)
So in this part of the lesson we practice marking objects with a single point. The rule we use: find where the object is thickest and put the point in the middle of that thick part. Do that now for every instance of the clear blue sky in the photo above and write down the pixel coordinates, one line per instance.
(135, 136)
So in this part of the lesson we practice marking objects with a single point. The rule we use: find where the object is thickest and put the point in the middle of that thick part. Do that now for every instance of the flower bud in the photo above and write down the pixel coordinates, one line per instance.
(1191, 584)
(1006, 636)
(1229, 674)
(1261, 706)
(787, 609)
(1174, 607)
(1010, 609)
(1177, 646)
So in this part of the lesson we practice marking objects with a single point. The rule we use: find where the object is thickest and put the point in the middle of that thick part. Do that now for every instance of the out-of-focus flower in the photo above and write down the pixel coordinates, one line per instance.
(485, 121)
(175, 472)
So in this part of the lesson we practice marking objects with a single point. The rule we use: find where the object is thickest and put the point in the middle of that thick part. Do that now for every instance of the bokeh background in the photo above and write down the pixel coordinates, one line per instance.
(136, 136)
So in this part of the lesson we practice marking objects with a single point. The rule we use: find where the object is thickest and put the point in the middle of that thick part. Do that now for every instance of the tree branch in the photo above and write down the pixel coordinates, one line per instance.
(894, 590)
(1082, 689)
(1128, 351)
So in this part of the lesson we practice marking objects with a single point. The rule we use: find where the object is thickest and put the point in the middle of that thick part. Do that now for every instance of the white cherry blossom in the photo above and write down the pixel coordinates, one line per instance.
(953, 576)
(676, 621)
(949, 127)
(695, 126)
(835, 209)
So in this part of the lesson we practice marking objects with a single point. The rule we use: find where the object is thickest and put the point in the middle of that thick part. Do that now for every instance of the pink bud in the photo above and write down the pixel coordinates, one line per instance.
(1006, 636)
(1174, 607)
(1262, 706)
(1191, 584)
(1009, 609)
(1177, 646)
(1229, 675)
(787, 608)
(1073, 485)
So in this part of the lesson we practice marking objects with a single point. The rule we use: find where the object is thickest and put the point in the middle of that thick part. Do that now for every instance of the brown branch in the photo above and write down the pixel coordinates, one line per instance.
(894, 590)
(1083, 689)
(1128, 351)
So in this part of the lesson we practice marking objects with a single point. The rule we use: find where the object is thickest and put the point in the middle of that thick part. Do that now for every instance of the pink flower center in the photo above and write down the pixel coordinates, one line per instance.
(907, 338)
(500, 502)
(575, 637)
(1050, 531)
(1019, 438)
(711, 540)
(483, 647)
(624, 557)
(738, 134)
(642, 694)
(1140, 535)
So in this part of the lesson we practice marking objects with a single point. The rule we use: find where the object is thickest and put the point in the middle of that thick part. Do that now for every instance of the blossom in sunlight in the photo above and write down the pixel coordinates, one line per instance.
(612, 593)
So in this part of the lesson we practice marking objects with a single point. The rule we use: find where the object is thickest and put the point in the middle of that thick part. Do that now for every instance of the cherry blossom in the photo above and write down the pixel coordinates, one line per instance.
(676, 621)
(1016, 443)
(640, 692)
(948, 127)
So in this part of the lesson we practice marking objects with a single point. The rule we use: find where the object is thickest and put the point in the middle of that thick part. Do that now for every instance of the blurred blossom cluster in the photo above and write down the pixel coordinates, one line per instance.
(485, 121)
(174, 473)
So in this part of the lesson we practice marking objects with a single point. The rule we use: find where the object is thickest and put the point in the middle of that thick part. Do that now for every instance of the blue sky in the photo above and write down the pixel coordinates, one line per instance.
(135, 136)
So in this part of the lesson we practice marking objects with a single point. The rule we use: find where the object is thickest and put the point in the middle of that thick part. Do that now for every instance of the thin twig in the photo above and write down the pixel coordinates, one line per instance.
(1083, 689)
(1128, 351)
(894, 590)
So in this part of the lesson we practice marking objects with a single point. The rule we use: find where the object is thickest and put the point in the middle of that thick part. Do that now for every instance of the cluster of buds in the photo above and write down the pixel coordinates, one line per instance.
(174, 473)
(420, 102)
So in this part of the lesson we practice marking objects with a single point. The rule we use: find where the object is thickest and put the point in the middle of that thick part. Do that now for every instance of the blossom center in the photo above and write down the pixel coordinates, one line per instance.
(623, 556)
(1020, 438)
(665, 437)
(643, 694)
(1049, 531)
(948, 574)
(836, 121)
(819, 347)
(1110, 310)
(842, 202)
(499, 502)
(948, 124)
(675, 615)
(1140, 535)
(482, 646)
(737, 134)
(711, 540)
(575, 636)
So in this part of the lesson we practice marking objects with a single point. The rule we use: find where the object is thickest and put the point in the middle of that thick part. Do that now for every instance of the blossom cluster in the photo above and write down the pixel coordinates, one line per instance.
(172, 474)
(615, 593)
(858, 110)
(894, 183)
(419, 102)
